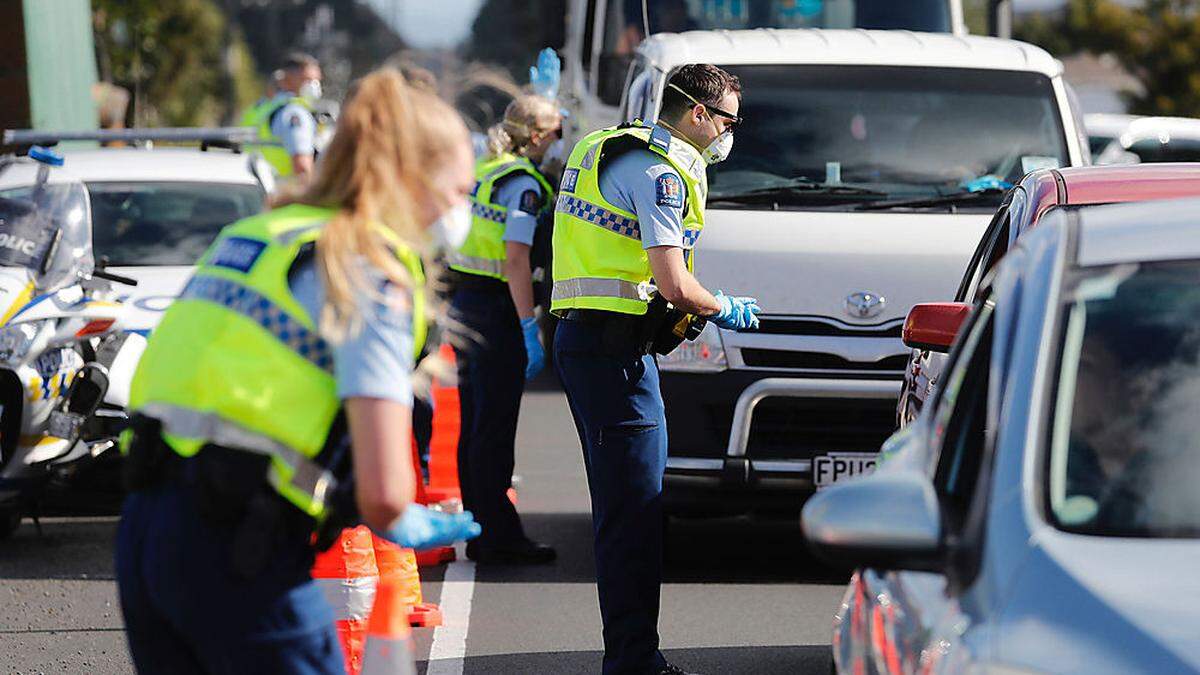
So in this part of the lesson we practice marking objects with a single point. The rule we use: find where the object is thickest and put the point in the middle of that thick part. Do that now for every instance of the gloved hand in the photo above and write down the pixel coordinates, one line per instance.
(421, 528)
(533, 349)
(543, 78)
(736, 312)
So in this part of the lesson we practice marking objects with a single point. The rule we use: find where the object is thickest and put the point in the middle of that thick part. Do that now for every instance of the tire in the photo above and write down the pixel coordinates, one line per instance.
(10, 520)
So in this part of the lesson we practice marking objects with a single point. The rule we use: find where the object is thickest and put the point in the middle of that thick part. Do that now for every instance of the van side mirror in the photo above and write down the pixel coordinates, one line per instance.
(934, 325)
(887, 520)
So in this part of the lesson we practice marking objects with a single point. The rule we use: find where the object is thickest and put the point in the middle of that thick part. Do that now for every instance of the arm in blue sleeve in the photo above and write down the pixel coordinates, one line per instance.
(641, 182)
(375, 362)
(296, 129)
(522, 196)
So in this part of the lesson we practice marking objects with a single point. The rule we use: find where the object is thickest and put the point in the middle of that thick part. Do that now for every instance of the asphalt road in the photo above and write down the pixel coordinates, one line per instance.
(739, 597)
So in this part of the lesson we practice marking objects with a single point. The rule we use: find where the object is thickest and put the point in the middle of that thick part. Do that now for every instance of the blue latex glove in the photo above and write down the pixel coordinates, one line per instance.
(984, 183)
(543, 78)
(533, 349)
(421, 528)
(737, 312)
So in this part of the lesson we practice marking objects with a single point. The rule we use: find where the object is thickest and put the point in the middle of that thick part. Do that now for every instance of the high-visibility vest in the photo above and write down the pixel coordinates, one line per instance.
(238, 362)
(599, 262)
(261, 115)
(483, 251)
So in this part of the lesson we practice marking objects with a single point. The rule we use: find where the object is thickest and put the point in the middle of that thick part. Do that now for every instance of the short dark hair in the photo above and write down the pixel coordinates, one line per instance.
(298, 61)
(704, 82)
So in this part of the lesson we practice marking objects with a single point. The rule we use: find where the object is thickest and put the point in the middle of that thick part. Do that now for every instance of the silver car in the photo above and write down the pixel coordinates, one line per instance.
(1043, 513)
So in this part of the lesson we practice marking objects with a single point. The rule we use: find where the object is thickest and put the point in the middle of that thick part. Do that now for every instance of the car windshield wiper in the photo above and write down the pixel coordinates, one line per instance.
(800, 188)
(952, 199)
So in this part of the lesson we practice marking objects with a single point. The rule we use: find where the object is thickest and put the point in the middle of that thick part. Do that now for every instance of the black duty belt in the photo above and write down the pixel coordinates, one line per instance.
(477, 282)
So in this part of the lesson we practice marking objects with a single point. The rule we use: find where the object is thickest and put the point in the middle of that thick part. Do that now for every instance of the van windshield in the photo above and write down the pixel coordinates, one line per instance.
(624, 26)
(888, 132)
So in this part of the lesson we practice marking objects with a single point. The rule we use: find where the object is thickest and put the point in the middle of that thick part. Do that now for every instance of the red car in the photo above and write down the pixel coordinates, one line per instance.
(1022, 209)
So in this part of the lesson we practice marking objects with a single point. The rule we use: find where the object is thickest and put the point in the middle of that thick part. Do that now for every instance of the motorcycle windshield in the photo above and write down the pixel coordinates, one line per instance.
(26, 234)
(46, 228)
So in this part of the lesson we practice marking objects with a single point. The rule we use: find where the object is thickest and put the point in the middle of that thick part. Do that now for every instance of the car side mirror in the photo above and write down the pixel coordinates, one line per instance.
(887, 520)
(934, 325)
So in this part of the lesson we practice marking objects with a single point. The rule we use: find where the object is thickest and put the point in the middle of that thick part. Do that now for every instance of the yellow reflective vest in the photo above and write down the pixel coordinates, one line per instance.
(238, 362)
(599, 262)
(260, 116)
(483, 251)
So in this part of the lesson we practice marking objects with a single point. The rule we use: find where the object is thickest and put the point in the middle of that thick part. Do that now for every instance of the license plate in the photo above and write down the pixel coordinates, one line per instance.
(839, 466)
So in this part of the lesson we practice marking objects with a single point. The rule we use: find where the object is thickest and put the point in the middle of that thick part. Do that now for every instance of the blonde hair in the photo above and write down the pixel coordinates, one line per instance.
(390, 138)
(525, 116)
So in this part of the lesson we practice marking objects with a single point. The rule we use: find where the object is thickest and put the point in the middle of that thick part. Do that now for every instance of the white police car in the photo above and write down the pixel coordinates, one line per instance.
(155, 211)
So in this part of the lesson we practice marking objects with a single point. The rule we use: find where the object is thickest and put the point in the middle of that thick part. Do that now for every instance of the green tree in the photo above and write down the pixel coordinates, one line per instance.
(1159, 43)
(178, 58)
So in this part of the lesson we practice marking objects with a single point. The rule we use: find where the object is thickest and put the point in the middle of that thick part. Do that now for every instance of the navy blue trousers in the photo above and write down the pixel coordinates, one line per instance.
(618, 410)
(491, 380)
(186, 612)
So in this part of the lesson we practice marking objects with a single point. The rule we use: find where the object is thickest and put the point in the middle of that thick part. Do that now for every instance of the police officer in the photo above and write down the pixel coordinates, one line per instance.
(630, 210)
(272, 402)
(493, 299)
(287, 120)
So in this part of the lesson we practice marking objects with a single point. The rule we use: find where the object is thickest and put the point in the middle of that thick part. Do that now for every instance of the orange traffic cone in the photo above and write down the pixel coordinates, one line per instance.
(347, 573)
(443, 447)
(389, 649)
(398, 566)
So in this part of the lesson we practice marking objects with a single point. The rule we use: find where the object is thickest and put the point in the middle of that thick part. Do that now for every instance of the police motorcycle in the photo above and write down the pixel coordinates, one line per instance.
(65, 365)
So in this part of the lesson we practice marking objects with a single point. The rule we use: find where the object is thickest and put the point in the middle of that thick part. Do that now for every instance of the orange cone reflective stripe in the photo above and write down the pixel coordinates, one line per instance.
(347, 574)
(389, 649)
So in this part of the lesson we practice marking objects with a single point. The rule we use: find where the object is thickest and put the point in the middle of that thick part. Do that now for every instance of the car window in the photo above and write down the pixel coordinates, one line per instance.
(637, 91)
(888, 129)
(165, 223)
(961, 421)
(1124, 456)
(996, 231)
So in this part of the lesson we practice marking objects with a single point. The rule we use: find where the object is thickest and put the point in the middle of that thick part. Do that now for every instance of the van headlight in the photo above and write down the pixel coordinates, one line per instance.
(15, 341)
(705, 354)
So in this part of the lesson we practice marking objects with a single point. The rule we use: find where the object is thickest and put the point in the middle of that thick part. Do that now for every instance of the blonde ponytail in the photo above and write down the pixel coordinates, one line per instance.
(524, 116)
(390, 138)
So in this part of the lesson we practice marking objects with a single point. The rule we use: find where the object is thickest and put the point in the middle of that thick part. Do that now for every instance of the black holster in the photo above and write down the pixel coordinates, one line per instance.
(664, 327)
(146, 463)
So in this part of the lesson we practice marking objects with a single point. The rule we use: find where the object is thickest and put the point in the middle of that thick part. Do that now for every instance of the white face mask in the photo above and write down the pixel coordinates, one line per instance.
(310, 90)
(719, 149)
(451, 230)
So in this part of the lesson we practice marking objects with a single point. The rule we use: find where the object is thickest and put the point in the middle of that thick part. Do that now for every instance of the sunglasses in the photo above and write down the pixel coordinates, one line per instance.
(734, 120)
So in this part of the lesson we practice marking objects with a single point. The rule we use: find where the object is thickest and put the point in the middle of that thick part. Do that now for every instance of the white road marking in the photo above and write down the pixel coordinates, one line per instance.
(449, 649)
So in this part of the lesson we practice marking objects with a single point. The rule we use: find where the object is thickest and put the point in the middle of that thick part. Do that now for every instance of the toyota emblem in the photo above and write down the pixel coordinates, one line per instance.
(864, 305)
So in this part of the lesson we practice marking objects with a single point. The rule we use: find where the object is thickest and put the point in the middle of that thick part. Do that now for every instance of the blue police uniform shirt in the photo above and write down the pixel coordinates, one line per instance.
(522, 196)
(377, 360)
(294, 126)
(644, 184)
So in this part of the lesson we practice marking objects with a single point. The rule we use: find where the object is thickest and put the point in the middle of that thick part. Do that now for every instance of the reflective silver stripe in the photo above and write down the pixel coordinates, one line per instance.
(261, 310)
(496, 214)
(351, 599)
(476, 263)
(592, 287)
(598, 215)
(291, 235)
(308, 477)
(389, 656)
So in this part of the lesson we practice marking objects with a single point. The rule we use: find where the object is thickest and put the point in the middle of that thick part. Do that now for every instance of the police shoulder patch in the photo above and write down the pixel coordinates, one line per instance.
(668, 190)
(530, 200)
(237, 253)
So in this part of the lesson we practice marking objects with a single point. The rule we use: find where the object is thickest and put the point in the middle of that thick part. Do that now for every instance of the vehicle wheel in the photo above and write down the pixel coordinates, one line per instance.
(10, 520)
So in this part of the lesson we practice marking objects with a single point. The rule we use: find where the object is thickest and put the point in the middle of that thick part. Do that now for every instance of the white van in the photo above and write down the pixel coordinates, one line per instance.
(602, 36)
(866, 170)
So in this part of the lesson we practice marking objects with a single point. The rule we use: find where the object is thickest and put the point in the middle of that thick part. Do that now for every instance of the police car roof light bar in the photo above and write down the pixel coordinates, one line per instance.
(206, 136)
